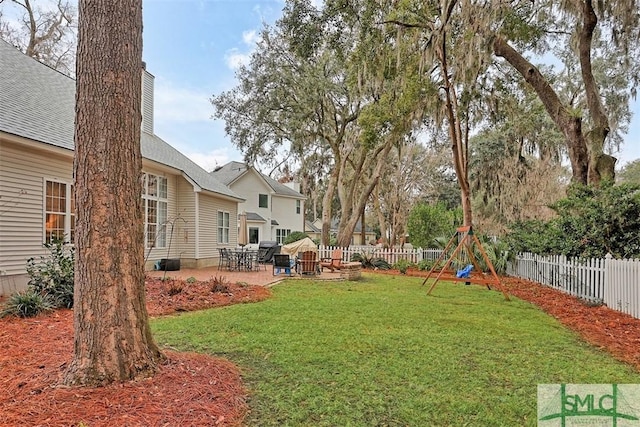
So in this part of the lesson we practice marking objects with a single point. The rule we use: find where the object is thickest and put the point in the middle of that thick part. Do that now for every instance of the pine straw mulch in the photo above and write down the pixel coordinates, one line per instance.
(190, 389)
(198, 390)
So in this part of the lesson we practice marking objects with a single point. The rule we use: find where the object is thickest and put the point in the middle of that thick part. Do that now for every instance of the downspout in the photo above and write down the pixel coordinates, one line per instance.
(197, 225)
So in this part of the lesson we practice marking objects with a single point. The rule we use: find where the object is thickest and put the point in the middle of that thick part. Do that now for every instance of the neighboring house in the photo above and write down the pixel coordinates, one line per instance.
(274, 210)
(188, 213)
(314, 230)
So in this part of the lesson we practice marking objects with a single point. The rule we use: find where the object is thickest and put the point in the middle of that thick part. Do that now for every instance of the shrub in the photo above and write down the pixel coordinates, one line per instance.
(591, 222)
(425, 264)
(294, 236)
(174, 288)
(219, 284)
(27, 304)
(370, 261)
(191, 279)
(498, 252)
(52, 275)
(403, 265)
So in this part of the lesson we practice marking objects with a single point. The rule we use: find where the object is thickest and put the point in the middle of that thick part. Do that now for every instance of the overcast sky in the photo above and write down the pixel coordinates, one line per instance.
(193, 48)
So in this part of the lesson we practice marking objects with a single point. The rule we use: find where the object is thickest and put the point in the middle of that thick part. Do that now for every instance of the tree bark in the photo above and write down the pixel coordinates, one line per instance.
(348, 219)
(570, 125)
(327, 200)
(601, 166)
(459, 141)
(381, 219)
(112, 340)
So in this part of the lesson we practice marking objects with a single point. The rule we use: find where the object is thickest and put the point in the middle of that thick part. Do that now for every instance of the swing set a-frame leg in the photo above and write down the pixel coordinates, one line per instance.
(442, 255)
(464, 243)
(449, 261)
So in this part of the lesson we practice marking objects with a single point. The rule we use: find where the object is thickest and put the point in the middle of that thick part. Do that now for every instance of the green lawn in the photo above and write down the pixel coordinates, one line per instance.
(380, 352)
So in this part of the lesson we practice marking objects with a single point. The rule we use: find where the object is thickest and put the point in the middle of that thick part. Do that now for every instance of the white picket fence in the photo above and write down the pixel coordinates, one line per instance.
(391, 255)
(616, 283)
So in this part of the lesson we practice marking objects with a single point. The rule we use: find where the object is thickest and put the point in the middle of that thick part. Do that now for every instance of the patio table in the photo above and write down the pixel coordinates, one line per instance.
(242, 260)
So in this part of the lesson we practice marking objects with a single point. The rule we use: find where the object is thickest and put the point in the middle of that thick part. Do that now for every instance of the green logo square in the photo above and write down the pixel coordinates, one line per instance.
(616, 405)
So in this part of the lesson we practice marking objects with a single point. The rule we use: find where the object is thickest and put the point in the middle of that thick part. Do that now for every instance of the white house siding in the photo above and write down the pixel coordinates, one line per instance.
(184, 233)
(147, 101)
(208, 242)
(22, 174)
(250, 186)
(284, 209)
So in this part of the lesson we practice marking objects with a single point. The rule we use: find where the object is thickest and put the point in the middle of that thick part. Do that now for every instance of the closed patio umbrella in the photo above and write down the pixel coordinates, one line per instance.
(243, 234)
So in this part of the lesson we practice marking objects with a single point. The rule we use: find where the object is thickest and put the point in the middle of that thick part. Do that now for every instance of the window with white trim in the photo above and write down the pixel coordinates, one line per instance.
(59, 216)
(298, 204)
(223, 227)
(155, 205)
(254, 235)
(281, 234)
(263, 200)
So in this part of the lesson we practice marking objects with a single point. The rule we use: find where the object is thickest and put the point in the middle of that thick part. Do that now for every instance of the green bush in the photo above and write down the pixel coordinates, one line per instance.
(428, 222)
(591, 222)
(403, 265)
(370, 261)
(27, 304)
(499, 254)
(52, 275)
(425, 264)
(294, 236)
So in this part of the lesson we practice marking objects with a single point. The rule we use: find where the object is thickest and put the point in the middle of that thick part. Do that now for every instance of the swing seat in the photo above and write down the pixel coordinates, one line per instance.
(465, 272)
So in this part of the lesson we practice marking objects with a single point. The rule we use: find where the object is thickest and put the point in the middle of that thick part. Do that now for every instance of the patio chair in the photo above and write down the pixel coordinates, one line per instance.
(308, 263)
(333, 263)
(225, 261)
(281, 262)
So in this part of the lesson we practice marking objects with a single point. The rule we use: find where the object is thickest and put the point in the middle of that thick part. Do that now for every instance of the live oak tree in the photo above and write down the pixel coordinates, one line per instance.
(300, 99)
(444, 40)
(45, 30)
(112, 340)
(593, 32)
(461, 39)
(516, 167)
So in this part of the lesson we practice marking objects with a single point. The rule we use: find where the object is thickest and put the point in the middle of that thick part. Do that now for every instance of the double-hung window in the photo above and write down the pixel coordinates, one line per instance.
(281, 235)
(155, 204)
(59, 217)
(223, 227)
(298, 206)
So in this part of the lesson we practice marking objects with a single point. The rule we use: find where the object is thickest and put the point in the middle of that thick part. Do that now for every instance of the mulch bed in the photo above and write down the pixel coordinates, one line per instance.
(190, 389)
(199, 390)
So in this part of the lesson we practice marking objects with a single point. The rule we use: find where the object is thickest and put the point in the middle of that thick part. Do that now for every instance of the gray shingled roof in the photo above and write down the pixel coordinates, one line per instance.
(252, 216)
(233, 170)
(38, 103)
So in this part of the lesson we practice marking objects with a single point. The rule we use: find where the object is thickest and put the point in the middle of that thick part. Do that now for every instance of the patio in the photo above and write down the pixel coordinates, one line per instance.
(264, 277)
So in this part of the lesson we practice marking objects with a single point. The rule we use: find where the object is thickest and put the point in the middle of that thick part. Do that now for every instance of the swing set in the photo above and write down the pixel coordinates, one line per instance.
(467, 240)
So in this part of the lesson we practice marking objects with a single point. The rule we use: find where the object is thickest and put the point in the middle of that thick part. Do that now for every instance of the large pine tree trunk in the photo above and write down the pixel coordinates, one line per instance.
(113, 340)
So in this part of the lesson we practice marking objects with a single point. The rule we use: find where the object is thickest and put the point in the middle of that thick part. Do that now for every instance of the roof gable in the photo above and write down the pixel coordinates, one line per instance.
(233, 171)
(38, 103)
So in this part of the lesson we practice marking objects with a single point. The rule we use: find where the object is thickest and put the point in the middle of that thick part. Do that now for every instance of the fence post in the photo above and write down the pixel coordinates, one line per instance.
(609, 297)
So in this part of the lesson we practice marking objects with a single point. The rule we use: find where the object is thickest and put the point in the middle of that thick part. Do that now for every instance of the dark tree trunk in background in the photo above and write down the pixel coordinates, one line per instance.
(589, 163)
